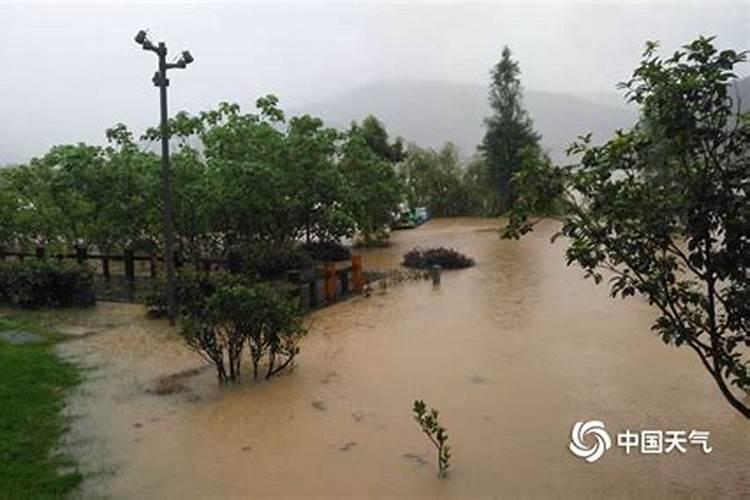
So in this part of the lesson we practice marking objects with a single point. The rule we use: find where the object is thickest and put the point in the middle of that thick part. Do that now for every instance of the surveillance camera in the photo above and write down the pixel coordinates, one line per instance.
(140, 38)
(187, 57)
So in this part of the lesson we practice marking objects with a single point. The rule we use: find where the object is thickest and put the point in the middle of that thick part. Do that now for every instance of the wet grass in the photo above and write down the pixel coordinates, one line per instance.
(33, 385)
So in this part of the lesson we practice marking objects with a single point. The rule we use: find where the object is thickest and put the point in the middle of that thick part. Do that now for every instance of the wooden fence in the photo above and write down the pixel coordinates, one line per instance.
(128, 258)
(321, 287)
(313, 288)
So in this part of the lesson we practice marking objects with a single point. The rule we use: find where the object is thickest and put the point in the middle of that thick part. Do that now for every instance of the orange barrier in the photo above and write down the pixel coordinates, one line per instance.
(358, 277)
(329, 271)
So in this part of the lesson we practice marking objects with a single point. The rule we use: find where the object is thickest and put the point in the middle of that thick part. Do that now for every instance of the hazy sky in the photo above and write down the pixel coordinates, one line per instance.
(68, 71)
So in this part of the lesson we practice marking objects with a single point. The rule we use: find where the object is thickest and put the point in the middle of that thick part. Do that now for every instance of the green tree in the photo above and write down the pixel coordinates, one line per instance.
(10, 207)
(194, 189)
(195, 203)
(483, 197)
(375, 188)
(83, 195)
(318, 185)
(52, 208)
(376, 136)
(680, 239)
(124, 191)
(276, 180)
(510, 135)
(437, 180)
(240, 180)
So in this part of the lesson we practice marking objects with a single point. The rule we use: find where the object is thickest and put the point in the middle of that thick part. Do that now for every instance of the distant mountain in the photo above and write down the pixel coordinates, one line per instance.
(432, 113)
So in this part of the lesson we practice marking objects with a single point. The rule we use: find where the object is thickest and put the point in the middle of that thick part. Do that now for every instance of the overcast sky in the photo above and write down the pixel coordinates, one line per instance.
(68, 71)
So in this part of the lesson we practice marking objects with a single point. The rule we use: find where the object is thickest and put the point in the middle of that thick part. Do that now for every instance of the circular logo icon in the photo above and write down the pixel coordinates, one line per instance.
(589, 440)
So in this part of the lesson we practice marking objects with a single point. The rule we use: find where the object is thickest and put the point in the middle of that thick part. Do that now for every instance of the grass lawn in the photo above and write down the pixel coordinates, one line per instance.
(33, 383)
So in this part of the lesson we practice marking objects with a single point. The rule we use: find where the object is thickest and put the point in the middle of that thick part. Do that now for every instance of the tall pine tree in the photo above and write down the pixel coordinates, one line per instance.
(510, 138)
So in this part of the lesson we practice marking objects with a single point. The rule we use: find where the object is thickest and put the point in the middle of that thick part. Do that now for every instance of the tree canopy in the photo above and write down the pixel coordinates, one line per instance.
(438, 180)
(239, 178)
(510, 138)
(663, 210)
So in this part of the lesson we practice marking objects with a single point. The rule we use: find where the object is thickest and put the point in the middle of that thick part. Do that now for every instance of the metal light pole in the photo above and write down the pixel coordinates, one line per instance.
(160, 80)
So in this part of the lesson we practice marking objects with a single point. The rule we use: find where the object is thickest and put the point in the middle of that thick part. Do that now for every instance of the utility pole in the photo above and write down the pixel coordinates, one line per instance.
(160, 80)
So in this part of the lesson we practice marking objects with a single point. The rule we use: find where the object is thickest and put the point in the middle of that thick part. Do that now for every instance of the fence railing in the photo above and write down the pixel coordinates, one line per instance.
(327, 285)
(128, 258)
(313, 288)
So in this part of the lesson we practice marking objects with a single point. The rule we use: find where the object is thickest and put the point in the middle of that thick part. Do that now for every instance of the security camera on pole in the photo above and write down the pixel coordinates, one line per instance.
(160, 80)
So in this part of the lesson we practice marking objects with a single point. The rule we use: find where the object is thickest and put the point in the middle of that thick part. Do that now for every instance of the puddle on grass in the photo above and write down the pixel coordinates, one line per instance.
(512, 352)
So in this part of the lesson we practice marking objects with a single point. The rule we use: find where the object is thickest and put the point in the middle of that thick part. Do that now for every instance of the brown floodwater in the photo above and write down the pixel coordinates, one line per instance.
(512, 352)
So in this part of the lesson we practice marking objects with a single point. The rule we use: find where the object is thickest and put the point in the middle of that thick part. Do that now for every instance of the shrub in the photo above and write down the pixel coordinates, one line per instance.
(436, 433)
(192, 292)
(240, 318)
(327, 251)
(268, 261)
(46, 283)
(447, 258)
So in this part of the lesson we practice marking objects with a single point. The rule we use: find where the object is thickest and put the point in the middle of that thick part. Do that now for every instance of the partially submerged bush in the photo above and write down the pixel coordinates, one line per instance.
(447, 258)
(255, 319)
(46, 283)
(272, 261)
(327, 251)
(192, 292)
(436, 433)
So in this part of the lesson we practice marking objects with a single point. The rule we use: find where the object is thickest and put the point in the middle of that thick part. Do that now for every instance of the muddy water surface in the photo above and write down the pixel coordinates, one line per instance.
(512, 352)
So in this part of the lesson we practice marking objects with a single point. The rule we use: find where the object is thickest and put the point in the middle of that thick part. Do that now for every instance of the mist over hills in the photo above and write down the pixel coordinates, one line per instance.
(430, 113)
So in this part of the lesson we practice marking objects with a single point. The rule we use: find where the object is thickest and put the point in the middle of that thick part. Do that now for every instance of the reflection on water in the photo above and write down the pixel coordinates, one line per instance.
(512, 352)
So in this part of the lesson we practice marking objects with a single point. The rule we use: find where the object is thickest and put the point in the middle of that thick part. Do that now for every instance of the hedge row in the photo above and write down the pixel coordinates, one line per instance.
(46, 283)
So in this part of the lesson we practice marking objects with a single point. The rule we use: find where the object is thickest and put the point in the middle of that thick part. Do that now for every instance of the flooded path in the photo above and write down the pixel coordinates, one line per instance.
(512, 352)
